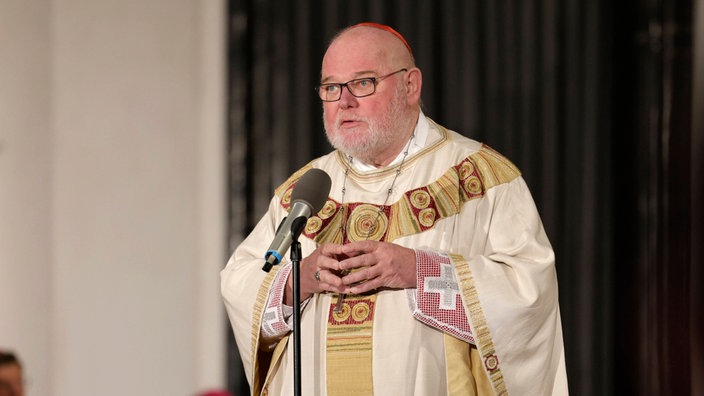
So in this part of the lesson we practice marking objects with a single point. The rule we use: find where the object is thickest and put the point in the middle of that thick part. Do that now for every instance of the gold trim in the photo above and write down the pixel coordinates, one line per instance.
(348, 348)
(257, 315)
(480, 328)
(494, 168)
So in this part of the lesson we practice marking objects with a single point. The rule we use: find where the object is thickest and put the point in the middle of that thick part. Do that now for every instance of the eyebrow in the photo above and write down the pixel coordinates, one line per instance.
(360, 74)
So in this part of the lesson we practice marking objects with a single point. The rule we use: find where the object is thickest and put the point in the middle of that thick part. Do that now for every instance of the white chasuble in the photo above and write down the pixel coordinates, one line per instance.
(483, 319)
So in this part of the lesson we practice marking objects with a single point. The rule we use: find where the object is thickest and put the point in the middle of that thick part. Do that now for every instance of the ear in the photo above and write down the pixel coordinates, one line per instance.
(414, 83)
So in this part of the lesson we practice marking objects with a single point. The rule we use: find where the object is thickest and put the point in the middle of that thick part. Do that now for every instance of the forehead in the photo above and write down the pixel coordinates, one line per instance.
(356, 52)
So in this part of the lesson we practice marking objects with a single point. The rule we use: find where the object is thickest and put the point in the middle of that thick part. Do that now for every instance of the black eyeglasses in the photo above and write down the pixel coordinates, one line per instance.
(359, 87)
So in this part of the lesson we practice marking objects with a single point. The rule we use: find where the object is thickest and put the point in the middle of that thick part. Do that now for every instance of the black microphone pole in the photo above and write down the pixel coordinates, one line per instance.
(297, 227)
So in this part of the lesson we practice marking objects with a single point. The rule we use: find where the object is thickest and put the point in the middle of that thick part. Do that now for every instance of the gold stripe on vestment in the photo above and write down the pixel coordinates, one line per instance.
(260, 359)
(417, 211)
(480, 328)
(349, 346)
(493, 167)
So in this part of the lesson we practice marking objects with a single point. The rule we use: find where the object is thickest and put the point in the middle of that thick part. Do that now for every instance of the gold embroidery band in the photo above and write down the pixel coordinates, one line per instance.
(480, 328)
(349, 346)
(260, 363)
(416, 211)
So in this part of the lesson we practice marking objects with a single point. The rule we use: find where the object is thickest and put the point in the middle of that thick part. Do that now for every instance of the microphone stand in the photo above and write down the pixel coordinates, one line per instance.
(296, 257)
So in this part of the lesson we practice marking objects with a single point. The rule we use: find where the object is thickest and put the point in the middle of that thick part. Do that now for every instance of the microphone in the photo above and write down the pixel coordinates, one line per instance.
(307, 198)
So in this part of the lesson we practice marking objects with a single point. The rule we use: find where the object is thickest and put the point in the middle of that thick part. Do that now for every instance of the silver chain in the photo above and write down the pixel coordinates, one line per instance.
(372, 227)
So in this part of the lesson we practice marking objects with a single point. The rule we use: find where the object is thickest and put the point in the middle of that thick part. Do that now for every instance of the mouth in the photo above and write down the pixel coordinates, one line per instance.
(349, 123)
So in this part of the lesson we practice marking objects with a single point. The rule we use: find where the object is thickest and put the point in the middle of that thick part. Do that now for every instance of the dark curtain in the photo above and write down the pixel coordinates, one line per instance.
(593, 102)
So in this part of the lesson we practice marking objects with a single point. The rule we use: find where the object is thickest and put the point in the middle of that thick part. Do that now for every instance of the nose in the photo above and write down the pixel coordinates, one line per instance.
(347, 100)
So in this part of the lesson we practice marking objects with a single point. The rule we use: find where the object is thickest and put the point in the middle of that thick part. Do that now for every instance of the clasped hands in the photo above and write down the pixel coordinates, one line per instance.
(355, 268)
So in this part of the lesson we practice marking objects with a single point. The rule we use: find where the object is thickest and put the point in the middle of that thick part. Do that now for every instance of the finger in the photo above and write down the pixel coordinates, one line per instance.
(367, 286)
(364, 260)
(329, 249)
(329, 281)
(362, 275)
(328, 263)
(358, 248)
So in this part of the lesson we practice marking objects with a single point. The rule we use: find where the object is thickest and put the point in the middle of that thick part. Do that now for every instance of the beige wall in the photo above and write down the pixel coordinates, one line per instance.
(112, 194)
(25, 186)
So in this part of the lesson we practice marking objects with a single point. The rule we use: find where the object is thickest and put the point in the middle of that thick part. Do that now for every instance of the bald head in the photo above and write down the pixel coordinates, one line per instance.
(388, 29)
(372, 43)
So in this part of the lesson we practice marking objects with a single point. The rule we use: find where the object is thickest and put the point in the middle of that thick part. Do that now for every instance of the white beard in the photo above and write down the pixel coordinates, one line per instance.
(381, 134)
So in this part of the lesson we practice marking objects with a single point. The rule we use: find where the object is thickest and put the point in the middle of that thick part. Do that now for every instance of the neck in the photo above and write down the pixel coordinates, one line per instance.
(387, 156)
(392, 152)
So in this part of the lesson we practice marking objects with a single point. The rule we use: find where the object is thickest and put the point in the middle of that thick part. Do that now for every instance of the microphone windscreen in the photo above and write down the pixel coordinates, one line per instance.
(313, 187)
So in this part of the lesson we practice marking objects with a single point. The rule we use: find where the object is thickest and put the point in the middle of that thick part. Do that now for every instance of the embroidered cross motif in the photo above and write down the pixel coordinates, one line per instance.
(445, 285)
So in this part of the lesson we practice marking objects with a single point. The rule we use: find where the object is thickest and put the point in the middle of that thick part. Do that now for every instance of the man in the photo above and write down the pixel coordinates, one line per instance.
(11, 382)
(428, 271)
